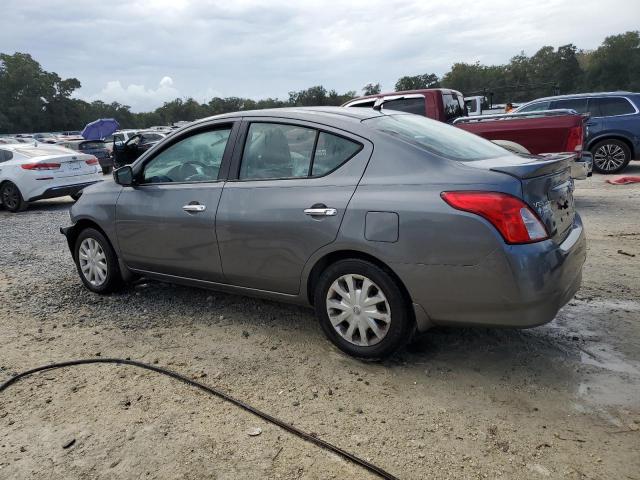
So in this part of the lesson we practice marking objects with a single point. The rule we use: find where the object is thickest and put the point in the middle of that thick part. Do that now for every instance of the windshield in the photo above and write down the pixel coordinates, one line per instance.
(437, 137)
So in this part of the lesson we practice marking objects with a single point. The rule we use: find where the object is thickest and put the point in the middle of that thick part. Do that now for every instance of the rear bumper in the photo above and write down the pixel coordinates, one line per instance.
(62, 190)
(517, 286)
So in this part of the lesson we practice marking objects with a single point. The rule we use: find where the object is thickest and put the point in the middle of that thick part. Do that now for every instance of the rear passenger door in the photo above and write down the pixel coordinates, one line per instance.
(289, 186)
(613, 115)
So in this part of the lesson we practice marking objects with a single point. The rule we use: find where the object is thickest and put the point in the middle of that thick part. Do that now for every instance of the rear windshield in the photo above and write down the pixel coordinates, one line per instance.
(437, 137)
(91, 145)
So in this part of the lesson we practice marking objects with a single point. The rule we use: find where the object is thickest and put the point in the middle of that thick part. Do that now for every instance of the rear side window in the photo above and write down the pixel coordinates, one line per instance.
(331, 152)
(610, 106)
(453, 108)
(364, 104)
(437, 137)
(577, 104)
(408, 105)
(535, 107)
(274, 151)
(5, 155)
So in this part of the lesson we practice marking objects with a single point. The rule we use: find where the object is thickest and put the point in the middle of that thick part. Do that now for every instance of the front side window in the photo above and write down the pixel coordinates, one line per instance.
(534, 107)
(610, 106)
(277, 151)
(194, 159)
(577, 104)
(409, 105)
(437, 137)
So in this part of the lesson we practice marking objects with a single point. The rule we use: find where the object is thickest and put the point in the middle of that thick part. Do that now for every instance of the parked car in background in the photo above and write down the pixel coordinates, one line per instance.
(7, 140)
(365, 215)
(33, 172)
(126, 152)
(534, 133)
(613, 127)
(440, 104)
(97, 148)
(45, 137)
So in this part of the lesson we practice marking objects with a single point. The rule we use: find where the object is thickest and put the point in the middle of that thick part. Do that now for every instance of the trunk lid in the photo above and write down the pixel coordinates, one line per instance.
(547, 187)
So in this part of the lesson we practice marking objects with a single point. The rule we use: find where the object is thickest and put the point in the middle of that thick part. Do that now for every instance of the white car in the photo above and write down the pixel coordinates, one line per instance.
(31, 172)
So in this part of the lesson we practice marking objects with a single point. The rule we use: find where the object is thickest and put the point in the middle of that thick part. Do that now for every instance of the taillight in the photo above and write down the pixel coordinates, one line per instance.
(92, 161)
(575, 139)
(40, 166)
(513, 218)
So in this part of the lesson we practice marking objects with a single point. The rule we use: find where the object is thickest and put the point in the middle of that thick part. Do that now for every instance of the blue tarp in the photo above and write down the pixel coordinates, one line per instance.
(99, 129)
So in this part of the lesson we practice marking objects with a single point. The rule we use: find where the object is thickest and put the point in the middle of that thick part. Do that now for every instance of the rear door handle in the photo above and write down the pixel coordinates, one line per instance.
(194, 208)
(321, 212)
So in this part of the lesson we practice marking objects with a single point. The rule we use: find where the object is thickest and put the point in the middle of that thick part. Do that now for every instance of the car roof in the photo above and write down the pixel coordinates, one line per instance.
(339, 117)
(583, 95)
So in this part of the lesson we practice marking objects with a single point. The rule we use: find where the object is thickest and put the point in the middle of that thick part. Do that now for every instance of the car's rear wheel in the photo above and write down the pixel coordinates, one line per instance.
(12, 197)
(362, 309)
(610, 156)
(97, 262)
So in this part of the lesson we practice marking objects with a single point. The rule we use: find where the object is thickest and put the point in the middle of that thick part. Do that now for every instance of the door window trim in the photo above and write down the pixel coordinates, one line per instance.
(236, 163)
(140, 163)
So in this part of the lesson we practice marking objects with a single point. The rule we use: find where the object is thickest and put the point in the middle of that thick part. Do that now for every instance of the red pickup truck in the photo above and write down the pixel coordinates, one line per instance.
(537, 132)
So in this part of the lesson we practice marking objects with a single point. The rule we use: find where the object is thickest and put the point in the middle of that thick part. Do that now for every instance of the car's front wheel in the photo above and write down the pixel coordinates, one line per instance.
(12, 198)
(610, 156)
(362, 309)
(97, 262)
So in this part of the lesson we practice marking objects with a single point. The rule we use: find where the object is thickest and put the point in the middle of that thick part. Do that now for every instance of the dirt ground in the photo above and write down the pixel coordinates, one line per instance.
(558, 401)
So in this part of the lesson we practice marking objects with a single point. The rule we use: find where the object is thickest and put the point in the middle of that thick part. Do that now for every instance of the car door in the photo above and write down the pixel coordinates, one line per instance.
(291, 184)
(166, 222)
(614, 115)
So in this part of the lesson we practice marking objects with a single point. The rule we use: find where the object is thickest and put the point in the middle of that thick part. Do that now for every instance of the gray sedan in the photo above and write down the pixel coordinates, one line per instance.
(386, 223)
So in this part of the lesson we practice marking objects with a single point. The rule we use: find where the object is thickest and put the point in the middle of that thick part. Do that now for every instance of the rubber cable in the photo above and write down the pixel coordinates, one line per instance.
(212, 391)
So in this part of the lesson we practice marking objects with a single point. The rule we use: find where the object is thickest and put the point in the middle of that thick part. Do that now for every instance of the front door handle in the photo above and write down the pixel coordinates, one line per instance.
(194, 208)
(321, 212)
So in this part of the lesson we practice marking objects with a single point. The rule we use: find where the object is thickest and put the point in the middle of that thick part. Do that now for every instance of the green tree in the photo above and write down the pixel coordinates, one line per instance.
(417, 82)
(371, 89)
(615, 65)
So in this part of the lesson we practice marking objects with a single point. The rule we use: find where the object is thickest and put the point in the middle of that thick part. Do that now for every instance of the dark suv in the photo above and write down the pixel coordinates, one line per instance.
(613, 128)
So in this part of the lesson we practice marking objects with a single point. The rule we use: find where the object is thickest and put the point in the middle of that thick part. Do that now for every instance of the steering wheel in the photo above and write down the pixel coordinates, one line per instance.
(190, 169)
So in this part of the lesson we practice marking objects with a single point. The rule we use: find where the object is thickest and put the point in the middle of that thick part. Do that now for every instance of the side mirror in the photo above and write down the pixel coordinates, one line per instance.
(124, 176)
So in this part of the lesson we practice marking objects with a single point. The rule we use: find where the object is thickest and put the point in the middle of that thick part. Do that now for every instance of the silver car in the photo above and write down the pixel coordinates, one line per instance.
(386, 223)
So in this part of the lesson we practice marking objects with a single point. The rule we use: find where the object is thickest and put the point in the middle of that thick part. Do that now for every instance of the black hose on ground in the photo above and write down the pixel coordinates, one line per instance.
(212, 391)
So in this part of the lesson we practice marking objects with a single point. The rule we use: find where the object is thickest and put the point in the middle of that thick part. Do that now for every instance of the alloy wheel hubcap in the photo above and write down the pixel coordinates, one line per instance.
(358, 310)
(609, 157)
(93, 262)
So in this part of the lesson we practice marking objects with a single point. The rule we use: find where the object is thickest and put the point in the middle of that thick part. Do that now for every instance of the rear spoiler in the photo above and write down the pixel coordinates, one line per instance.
(549, 163)
(516, 116)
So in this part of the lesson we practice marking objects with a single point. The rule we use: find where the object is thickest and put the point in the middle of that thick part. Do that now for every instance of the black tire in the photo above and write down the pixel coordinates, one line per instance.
(12, 197)
(401, 326)
(106, 170)
(610, 156)
(113, 278)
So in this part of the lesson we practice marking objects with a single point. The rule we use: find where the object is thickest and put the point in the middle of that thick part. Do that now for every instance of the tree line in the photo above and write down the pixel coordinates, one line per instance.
(32, 99)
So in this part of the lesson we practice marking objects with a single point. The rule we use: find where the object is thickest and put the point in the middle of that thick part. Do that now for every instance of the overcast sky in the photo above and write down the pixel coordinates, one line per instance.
(145, 52)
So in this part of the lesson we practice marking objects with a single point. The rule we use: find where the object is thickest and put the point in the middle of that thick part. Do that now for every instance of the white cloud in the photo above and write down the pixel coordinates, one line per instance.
(260, 48)
(138, 97)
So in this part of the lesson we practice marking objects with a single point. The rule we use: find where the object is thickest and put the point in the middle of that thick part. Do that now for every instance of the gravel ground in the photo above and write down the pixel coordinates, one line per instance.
(558, 401)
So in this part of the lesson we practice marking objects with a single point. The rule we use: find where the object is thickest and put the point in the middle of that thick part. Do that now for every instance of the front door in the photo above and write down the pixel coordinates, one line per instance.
(292, 183)
(166, 223)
